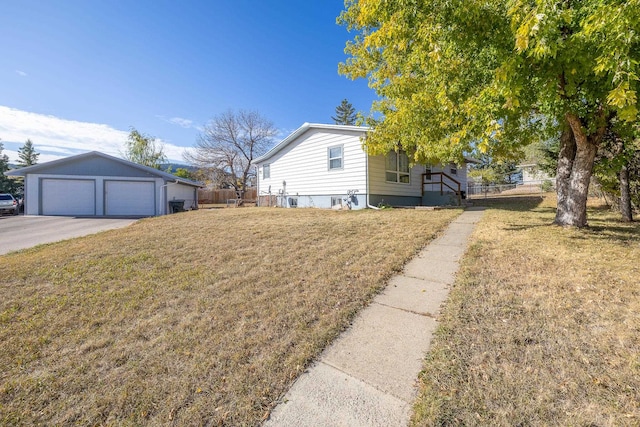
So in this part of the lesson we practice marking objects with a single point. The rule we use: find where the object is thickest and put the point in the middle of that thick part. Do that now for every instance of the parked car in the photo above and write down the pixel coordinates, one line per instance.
(9, 204)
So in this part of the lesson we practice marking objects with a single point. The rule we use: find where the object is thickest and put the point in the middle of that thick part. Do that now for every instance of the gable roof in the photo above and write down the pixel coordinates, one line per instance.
(40, 167)
(301, 130)
(308, 126)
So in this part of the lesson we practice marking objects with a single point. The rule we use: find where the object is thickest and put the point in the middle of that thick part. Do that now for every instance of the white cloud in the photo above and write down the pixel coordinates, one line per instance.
(56, 138)
(59, 150)
(179, 121)
(42, 158)
(21, 73)
(173, 152)
(185, 123)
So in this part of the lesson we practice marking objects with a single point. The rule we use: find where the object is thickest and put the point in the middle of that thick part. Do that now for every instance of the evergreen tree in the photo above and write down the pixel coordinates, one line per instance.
(27, 155)
(6, 185)
(345, 114)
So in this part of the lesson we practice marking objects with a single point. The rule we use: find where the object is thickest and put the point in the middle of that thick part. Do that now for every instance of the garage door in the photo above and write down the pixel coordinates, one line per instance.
(130, 198)
(74, 197)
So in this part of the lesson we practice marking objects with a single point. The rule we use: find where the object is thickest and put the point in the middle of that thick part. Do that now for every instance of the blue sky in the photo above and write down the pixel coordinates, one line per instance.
(75, 75)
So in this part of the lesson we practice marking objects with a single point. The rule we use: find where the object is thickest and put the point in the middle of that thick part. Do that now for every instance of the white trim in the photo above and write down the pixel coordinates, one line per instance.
(41, 168)
(397, 170)
(68, 197)
(122, 203)
(341, 157)
(302, 129)
(33, 195)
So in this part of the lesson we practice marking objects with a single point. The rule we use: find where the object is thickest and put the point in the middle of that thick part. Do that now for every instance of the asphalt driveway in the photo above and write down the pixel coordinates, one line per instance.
(20, 232)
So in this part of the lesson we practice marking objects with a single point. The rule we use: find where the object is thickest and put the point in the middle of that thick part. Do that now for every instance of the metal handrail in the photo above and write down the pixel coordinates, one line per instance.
(442, 175)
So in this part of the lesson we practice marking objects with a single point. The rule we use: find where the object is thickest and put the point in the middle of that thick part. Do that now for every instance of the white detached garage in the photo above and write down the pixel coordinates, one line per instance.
(96, 184)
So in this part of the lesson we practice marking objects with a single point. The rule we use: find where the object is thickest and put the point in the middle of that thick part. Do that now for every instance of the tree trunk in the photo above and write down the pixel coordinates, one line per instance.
(579, 186)
(563, 175)
(574, 210)
(625, 194)
(240, 196)
(243, 186)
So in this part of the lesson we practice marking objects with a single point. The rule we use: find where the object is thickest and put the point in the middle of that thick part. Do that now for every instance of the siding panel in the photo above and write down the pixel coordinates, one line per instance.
(379, 185)
(183, 192)
(303, 164)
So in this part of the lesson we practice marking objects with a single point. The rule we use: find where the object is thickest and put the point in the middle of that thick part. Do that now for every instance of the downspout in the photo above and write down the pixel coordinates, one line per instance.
(366, 169)
(195, 197)
(257, 186)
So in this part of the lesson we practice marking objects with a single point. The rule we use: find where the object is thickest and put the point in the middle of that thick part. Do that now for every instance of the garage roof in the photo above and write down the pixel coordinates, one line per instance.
(44, 167)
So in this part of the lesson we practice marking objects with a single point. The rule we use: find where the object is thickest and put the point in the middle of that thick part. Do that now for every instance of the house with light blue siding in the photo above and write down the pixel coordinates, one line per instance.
(325, 166)
(97, 184)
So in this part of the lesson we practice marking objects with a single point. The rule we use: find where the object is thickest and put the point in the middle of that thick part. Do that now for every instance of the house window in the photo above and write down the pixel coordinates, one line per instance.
(336, 201)
(454, 171)
(397, 169)
(335, 157)
(266, 171)
(427, 173)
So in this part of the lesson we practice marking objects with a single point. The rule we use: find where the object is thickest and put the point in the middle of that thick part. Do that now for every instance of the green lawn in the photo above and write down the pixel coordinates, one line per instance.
(200, 318)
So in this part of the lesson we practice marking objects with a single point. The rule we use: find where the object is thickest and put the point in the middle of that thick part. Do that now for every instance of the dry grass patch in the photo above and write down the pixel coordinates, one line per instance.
(542, 327)
(201, 318)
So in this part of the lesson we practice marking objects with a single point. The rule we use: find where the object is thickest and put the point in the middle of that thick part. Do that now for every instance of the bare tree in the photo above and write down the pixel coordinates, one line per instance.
(229, 143)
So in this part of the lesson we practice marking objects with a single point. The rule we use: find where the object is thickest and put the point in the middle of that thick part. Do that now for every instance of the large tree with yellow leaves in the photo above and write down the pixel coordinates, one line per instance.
(456, 76)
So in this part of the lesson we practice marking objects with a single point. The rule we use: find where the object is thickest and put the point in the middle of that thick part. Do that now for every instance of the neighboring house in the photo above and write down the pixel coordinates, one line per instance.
(320, 165)
(96, 184)
(532, 174)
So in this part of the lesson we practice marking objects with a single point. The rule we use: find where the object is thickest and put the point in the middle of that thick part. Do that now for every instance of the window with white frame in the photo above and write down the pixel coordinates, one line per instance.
(334, 155)
(266, 171)
(454, 171)
(397, 169)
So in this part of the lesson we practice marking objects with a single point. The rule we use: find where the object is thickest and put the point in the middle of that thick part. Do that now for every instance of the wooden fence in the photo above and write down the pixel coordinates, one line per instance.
(221, 196)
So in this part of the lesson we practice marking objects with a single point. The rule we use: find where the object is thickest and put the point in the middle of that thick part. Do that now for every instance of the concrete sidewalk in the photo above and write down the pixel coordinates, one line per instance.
(367, 377)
